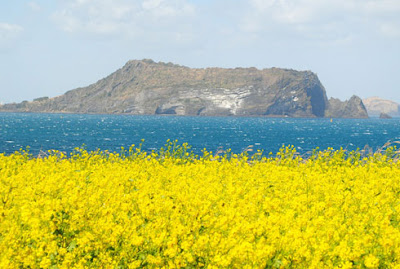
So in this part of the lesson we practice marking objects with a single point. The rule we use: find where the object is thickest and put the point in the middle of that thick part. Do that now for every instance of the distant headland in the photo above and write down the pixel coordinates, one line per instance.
(377, 106)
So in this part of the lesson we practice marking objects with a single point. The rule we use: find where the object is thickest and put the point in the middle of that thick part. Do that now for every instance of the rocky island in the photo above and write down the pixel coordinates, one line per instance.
(147, 87)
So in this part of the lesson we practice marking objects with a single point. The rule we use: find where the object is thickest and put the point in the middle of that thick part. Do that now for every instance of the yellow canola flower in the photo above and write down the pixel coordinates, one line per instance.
(172, 210)
(371, 261)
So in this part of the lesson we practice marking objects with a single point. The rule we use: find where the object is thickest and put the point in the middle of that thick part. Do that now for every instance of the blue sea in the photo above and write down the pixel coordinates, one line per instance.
(64, 132)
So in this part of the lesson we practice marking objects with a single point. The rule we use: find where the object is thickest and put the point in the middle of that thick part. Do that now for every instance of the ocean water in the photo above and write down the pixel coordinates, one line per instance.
(111, 132)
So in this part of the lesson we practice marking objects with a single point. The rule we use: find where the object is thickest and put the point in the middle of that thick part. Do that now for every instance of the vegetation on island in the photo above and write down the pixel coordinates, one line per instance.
(172, 209)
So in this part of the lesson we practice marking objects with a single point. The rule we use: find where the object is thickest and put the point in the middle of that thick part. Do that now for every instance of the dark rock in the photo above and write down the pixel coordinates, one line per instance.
(352, 108)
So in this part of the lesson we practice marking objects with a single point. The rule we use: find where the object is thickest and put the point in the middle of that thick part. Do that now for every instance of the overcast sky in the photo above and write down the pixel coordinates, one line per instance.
(49, 47)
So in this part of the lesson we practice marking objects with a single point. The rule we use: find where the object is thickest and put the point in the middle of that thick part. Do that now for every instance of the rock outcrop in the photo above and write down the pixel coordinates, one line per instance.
(384, 116)
(352, 108)
(146, 87)
(375, 106)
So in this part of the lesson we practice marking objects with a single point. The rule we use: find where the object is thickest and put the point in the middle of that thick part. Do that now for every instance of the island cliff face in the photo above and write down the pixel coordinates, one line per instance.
(146, 87)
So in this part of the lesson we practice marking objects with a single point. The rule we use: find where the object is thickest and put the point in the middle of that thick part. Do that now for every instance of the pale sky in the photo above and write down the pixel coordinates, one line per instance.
(51, 46)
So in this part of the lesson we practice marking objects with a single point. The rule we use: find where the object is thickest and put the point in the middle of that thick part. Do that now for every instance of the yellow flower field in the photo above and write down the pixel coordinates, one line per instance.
(333, 209)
